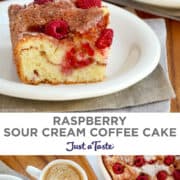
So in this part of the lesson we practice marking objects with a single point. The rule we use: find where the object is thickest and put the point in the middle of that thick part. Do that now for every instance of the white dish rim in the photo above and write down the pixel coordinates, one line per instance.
(103, 169)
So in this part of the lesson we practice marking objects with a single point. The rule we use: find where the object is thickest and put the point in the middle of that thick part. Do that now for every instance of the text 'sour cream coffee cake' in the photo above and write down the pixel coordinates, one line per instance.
(60, 42)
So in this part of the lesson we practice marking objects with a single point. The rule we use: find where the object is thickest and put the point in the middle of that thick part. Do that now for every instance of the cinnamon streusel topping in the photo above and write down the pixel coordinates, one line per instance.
(79, 20)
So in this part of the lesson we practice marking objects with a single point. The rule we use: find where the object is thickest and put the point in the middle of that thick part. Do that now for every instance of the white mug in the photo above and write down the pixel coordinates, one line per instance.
(39, 174)
(8, 177)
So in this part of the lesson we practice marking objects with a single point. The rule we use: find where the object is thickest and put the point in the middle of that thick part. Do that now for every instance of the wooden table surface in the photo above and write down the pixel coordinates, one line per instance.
(19, 163)
(173, 52)
(173, 45)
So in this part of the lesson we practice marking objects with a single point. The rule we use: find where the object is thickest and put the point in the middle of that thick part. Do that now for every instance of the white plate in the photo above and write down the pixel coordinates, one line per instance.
(103, 169)
(8, 177)
(135, 53)
(163, 3)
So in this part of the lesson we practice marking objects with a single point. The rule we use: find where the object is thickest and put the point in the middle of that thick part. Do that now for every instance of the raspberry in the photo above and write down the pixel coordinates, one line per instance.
(66, 67)
(151, 161)
(176, 174)
(57, 29)
(118, 168)
(87, 48)
(72, 62)
(86, 4)
(105, 39)
(142, 177)
(79, 64)
(42, 1)
(162, 175)
(168, 160)
(139, 161)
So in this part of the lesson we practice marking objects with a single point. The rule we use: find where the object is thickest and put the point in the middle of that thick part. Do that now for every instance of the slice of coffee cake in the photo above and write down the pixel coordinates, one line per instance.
(60, 42)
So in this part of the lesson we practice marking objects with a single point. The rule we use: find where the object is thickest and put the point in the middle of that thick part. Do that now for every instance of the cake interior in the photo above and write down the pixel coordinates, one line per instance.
(41, 61)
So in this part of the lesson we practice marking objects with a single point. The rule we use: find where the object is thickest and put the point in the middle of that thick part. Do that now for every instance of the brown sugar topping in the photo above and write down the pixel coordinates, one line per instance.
(79, 20)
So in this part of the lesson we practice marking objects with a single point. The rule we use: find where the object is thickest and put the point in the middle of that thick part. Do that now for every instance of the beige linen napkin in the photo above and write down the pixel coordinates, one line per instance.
(154, 88)
(4, 169)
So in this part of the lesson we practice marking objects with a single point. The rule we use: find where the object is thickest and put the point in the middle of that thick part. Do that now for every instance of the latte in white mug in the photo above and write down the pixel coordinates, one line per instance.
(62, 171)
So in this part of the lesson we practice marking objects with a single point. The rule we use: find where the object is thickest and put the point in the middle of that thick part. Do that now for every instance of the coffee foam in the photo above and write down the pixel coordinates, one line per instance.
(62, 171)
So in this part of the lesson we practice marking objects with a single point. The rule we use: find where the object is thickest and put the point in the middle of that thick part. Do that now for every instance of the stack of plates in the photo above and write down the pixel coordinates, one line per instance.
(162, 3)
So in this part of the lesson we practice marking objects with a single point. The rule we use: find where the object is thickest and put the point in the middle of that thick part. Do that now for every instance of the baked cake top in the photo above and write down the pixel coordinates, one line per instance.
(28, 18)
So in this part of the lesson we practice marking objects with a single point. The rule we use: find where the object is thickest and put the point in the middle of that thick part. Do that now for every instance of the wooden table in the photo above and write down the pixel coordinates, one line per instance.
(173, 51)
(173, 45)
(19, 163)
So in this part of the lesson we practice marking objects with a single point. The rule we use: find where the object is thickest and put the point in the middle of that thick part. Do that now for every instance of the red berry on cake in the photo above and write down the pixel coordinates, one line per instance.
(118, 168)
(88, 49)
(139, 161)
(151, 161)
(86, 4)
(105, 39)
(176, 174)
(143, 177)
(82, 63)
(168, 160)
(42, 1)
(74, 60)
(57, 29)
(162, 175)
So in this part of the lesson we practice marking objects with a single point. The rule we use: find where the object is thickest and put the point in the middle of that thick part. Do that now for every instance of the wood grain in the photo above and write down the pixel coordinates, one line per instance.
(173, 52)
(173, 45)
(19, 163)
